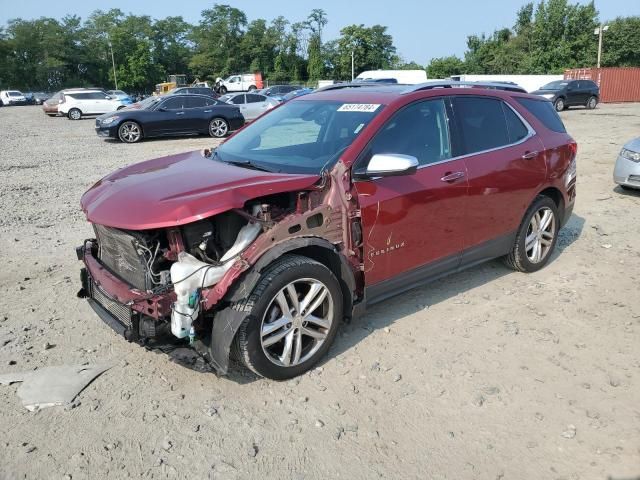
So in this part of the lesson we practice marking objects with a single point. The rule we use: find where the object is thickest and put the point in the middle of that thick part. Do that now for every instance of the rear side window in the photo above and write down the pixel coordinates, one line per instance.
(175, 103)
(254, 98)
(517, 130)
(419, 130)
(544, 112)
(482, 123)
(195, 102)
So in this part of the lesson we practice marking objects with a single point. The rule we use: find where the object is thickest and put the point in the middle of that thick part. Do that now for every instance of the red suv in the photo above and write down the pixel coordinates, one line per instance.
(326, 205)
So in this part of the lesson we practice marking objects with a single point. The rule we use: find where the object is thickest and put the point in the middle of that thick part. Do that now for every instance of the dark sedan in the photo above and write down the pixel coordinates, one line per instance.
(171, 115)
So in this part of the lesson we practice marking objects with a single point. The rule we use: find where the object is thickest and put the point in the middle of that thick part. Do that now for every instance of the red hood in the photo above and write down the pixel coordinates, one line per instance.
(179, 189)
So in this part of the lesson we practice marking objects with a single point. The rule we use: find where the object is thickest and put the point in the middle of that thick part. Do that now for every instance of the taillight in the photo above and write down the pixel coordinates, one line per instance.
(572, 170)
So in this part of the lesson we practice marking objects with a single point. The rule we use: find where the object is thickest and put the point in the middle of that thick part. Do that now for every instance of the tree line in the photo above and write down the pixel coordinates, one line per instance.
(547, 38)
(49, 53)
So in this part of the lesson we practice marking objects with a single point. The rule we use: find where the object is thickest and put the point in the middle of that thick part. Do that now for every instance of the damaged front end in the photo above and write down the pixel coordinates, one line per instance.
(177, 285)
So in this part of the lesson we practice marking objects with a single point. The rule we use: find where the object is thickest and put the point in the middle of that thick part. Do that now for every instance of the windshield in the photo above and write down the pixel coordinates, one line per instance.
(15, 94)
(299, 137)
(557, 85)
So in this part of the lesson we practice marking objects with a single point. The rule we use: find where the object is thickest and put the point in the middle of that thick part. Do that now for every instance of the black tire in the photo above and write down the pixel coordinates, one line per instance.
(74, 114)
(218, 127)
(223, 90)
(280, 274)
(592, 102)
(252, 88)
(629, 189)
(130, 132)
(559, 105)
(518, 259)
(120, 107)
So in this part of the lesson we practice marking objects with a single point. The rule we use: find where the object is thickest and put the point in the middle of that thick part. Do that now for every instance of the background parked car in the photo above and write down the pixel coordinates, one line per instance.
(240, 83)
(40, 97)
(170, 115)
(627, 169)
(77, 103)
(569, 93)
(12, 97)
(279, 91)
(194, 91)
(296, 93)
(121, 95)
(252, 105)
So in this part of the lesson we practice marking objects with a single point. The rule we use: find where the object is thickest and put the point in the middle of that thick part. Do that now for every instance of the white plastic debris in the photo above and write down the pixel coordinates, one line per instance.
(50, 386)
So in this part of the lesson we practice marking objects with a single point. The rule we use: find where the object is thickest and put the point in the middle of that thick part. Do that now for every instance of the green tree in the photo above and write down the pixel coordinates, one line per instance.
(316, 21)
(372, 49)
(621, 43)
(444, 67)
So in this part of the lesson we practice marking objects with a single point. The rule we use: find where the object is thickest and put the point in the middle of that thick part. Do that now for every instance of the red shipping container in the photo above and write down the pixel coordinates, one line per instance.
(616, 84)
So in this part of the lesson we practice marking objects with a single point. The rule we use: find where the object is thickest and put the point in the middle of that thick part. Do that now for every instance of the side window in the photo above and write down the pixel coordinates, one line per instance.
(517, 129)
(195, 102)
(545, 113)
(175, 103)
(254, 98)
(238, 100)
(419, 130)
(482, 123)
(210, 101)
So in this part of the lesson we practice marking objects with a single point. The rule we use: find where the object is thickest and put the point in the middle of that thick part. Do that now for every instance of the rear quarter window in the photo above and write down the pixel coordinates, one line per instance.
(544, 112)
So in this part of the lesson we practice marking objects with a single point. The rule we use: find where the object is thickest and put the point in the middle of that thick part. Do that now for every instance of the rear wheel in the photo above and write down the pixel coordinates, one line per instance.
(536, 237)
(592, 102)
(218, 127)
(130, 132)
(292, 317)
(75, 114)
(252, 88)
(559, 104)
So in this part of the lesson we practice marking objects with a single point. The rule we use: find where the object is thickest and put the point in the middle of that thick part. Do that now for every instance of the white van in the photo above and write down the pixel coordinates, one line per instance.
(240, 83)
(407, 77)
(12, 97)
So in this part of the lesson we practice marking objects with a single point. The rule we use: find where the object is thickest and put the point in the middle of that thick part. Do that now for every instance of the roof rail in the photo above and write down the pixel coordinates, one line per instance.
(510, 87)
(339, 86)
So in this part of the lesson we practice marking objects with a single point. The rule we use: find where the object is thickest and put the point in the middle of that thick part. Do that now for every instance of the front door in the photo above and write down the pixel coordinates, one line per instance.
(413, 225)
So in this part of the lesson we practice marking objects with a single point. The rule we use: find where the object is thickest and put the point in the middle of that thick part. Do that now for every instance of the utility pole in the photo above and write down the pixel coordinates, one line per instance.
(352, 65)
(600, 31)
(113, 61)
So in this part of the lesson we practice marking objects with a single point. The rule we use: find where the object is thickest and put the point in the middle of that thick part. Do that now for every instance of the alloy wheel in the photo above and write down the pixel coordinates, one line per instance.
(540, 235)
(130, 132)
(218, 128)
(75, 114)
(296, 322)
(559, 105)
(592, 103)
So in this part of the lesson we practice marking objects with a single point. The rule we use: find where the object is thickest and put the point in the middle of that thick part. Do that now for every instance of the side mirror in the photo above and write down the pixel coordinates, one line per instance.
(391, 165)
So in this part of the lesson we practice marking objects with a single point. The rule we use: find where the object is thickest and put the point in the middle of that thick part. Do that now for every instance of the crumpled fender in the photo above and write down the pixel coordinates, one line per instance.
(227, 321)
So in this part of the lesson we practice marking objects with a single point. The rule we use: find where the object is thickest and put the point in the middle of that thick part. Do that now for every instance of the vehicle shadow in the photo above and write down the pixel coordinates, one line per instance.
(626, 192)
(420, 298)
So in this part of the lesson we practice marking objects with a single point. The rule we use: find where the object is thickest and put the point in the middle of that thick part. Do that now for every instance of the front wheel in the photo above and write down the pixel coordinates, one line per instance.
(559, 105)
(75, 114)
(130, 132)
(536, 237)
(292, 317)
(218, 127)
(592, 102)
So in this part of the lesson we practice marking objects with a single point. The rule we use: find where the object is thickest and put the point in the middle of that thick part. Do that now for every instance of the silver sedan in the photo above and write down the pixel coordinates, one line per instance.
(627, 169)
(251, 105)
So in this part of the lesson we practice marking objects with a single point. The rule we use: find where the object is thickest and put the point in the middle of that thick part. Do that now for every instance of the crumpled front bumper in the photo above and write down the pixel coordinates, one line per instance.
(122, 304)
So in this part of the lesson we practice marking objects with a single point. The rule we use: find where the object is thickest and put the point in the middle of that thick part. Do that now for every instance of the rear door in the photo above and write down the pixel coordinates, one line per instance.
(414, 224)
(101, 103)
(256, 105)
(505, 165)
(198, 113)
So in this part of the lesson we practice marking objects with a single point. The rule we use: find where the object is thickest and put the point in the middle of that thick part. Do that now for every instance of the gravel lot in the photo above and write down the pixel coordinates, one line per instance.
(488, 374)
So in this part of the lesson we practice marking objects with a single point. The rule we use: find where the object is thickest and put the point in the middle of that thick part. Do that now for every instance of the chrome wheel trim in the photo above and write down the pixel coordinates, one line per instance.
(559, 104)
(540, 235)
(218, 127)
(129, 132)
(75, 114)
(593, 102)
(297, 322)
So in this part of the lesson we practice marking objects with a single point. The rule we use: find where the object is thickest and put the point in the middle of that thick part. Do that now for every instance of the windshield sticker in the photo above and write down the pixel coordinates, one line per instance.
(359, 107)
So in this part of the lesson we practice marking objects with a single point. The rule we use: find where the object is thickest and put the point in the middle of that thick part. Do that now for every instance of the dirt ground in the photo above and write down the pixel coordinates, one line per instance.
(488, 374)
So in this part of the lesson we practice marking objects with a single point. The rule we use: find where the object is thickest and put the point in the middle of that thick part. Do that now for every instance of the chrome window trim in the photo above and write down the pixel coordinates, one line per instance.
(531, 133)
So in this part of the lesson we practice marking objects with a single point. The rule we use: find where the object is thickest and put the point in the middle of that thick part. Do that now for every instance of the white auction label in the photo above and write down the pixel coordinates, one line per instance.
(359, 107)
